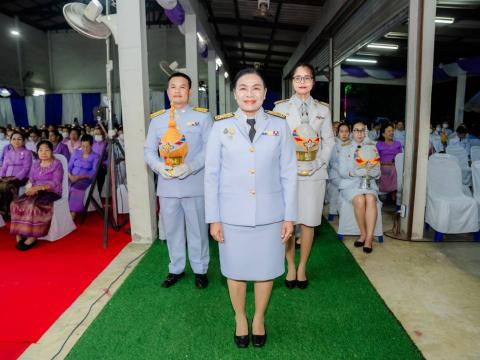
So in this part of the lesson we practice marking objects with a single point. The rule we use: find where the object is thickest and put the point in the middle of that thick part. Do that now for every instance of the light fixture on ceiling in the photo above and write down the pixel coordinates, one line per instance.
(15, 32)
(218, 63)
(226, 75)
(396, 35)
(5, 92)
(444, 20)
(200, 37)
(38, 92)
(383, 46)
(361, 61)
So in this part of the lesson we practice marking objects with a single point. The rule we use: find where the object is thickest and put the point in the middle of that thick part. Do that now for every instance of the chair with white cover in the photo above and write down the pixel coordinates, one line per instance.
(62, 223)
(347, 225)
(2, 222)
(399, 169)
(95, 195)
(448, 210)
(476, 183)
(332, 198)
(475, 153)
(461, 155)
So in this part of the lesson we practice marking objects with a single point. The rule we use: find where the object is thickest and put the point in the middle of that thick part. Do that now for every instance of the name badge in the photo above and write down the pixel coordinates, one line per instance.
(193, 123)
(271, 133)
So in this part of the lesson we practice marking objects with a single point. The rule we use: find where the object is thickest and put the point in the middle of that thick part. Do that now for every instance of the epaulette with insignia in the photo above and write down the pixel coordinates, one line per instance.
(280, 101)
(155, 114)
(347, 143)
(321, 102)
(200, 109)
(224, 116)
(277, 114)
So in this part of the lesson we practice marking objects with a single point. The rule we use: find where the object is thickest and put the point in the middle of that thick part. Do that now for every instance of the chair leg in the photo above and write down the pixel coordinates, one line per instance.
(340, 237)
(380, 239)
(476, 236)
(331, 217)
(427, 227)
(438, 236)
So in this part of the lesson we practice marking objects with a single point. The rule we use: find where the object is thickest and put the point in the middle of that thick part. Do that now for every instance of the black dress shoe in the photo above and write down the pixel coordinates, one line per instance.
(172, 279)
(24, 247)
(201, 281)
(359, 243)
(302, 284)
(241, 341)
(367, 250)
(259, 340)
(290, 284)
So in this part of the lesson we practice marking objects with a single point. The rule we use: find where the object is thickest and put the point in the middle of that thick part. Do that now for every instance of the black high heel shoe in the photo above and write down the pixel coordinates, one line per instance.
(302, 284)
(290, 284)
(241, 341)
(259, 340)
(367, 250)
(358, 243)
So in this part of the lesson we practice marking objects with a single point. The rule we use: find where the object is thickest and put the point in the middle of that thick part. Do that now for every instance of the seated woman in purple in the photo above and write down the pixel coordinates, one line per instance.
(81, 171)
(33, 211)
(388, 149)
(58, 146)
(14, 172)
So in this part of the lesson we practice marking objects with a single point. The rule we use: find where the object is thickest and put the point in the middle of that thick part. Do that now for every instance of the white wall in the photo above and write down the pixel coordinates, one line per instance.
(34, 55)
(78, 63)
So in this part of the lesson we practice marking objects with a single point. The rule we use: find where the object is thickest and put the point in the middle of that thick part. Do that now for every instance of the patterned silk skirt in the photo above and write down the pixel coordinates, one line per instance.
(31, 215)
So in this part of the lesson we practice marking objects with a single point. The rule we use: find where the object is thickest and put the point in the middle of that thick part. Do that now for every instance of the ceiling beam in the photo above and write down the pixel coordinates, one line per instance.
(272, 34)
(260, 23)
(261, 52)
(258, 40)
(301, 2)
(252, 59)
(239, 25)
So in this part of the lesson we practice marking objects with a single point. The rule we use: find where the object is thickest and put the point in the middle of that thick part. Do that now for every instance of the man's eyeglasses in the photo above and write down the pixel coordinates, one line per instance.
(300, 79)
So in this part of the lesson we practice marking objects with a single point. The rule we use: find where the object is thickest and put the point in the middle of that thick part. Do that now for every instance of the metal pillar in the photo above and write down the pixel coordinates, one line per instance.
(221, 91)
(191, 54)
(460, 98)
(421, 40)
(337, 70)
(212, 83)
(134, 87)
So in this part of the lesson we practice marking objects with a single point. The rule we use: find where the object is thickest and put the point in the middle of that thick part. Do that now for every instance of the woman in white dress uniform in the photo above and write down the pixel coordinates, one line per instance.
(342, 140)
(364, 200)
(250, 199)
(311, 188)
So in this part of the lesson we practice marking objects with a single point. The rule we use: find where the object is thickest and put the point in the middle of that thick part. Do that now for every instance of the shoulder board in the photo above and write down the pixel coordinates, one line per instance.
(224, 116)
(347, 143)
(200, 109)
(321, 102)
(277, 114)
(280, 101)
(155, 114)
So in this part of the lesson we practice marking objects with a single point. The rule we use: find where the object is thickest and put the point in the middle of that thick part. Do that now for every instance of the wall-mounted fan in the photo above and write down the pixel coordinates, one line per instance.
(171, 68)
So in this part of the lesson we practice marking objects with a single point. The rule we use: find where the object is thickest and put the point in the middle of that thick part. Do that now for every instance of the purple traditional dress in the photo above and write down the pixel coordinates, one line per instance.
(62, 149)
(79, 165)
(387, 152)
(31, 215)
(72, 146)
(13, 174)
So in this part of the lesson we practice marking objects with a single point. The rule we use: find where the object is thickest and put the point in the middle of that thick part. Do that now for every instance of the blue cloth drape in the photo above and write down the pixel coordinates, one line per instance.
(167, 101)
(53, 109)
(19, 109)
(89, 101)
(270, 99)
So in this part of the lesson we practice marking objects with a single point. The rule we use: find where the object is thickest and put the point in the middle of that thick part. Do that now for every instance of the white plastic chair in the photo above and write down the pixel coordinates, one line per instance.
(332, 198)
(448, 210)
(461, 155)
(347, 225)
(475, 153)
(122, 199)
(2, 222)
(399, 168)
(62, 223)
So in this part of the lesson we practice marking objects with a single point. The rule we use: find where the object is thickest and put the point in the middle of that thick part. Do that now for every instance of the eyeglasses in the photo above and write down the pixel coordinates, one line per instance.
(300, 79)
(358, 130)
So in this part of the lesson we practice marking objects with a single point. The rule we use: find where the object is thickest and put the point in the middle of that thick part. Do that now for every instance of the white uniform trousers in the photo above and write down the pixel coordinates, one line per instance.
(182, 215)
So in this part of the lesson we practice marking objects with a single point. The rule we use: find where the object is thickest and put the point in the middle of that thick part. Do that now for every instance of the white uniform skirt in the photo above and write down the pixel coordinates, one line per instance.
(349, 194)
(311, 195)
(252, 253)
